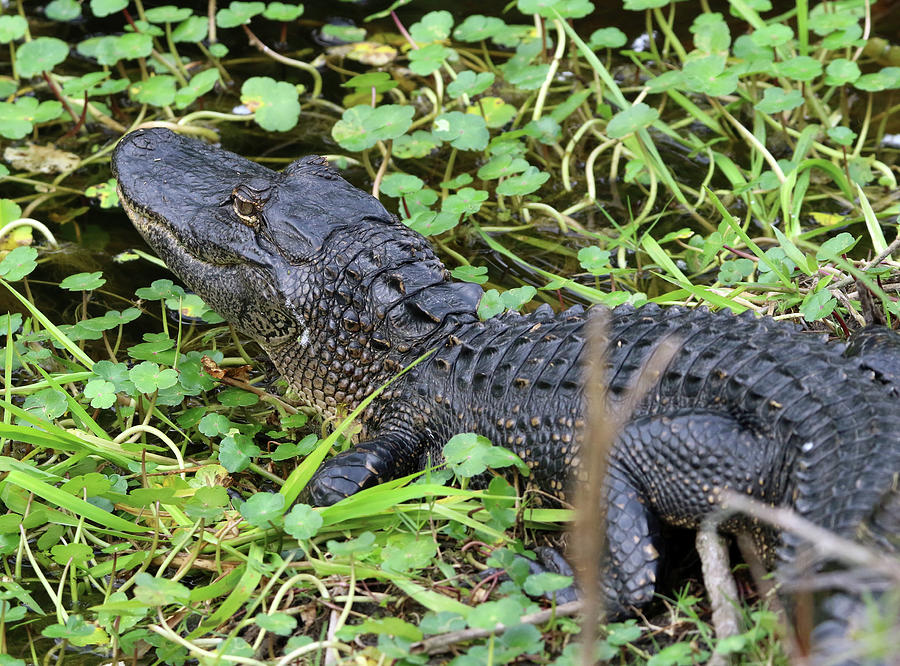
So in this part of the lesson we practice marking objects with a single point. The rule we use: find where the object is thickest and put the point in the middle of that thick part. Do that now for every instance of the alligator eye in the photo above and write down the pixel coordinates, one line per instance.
(248, 202)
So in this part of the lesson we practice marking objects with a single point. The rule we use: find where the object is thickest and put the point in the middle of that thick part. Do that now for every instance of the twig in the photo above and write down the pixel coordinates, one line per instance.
(440, 643)
(720, 587)
(881, 256)
(824, 542)
(603, 423)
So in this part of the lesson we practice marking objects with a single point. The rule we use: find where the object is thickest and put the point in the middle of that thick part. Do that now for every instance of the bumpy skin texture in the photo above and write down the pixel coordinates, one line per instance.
(342, 296)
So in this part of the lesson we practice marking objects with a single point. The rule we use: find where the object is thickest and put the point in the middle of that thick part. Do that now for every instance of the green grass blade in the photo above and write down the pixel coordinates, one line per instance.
(71, 503)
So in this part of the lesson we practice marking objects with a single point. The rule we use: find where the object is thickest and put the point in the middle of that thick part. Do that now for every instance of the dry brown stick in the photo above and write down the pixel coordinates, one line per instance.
(823, 541)
(720, 587)
(440, 643)
(890, 249)
(602, 425)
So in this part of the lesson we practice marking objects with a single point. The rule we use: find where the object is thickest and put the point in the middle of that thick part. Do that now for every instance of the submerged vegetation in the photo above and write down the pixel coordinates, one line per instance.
(742, 159)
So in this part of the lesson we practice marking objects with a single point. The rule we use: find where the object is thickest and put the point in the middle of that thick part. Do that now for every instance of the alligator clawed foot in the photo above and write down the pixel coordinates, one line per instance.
(344, 475)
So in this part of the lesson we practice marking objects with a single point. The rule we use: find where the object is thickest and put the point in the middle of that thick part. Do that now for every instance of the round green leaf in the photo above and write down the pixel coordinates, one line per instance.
(102, 8)
(842, 136)
(83, 281)
(40, 55)
(631, 120)
(302, 522)
(156, 91)
(886, 79)
(63, 10)
(263, 510)
(167, 14)
(774, 34)
(281, 11)
(18, 263)
(279, 623)
(607, 38)
(398, 184)
(524, 183)
(434, 27)
(799, 68)
(470, 83)
(192, 29)
(776, 100)
(478, 27)
(238, 13)
(275, 103)
(841, 71)
(418, 144)
(463, 131)
(12, 26)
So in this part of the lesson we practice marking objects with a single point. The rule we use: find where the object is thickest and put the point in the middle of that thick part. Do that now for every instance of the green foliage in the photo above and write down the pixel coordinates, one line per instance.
(125, 426)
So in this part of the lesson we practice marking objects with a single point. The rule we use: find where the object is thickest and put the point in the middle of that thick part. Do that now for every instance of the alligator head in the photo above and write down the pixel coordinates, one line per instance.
(336, 290)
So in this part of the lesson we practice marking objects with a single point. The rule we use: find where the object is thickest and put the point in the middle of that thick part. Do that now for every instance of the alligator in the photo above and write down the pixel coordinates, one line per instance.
(342, 296)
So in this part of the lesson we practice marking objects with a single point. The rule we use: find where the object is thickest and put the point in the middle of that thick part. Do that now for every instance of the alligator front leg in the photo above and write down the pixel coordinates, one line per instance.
(388, 456)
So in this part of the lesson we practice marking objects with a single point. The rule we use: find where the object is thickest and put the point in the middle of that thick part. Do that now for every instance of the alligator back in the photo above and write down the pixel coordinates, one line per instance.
(826, 430)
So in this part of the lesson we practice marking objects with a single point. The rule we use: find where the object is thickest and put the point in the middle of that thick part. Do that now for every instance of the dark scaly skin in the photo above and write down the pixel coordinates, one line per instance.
(342, 296)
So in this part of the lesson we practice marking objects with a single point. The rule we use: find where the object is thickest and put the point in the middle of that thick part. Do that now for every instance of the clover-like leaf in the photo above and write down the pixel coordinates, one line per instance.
(263, 509)
(418, 144)
(433, 27)
(466, 201)
(148, 377)
(524, 183)
(594, 260)
(476, 274)
(732, 272)
(478, 27)
(167, 14)
(358, 547)
(192, 29)
(887, 78)
(207, 503)
(238, 13)
(18, 263)
(160, 591)
(776, 100)
(799, 68)
(841, 71)
(833, 248)
(408, 552)
(282, 11)
(83, 281)
(429, 58)
(361, 127)
(430, 223)
(507, 611)
(156, 90)
(842, 136)
(469, 83)
(463, 131)
(101, 393)
(214, 424)
(236, 451)
(607, 38)
(275, 104)
(278, 623)
(41, 54)
(774, 34)
(398, 184)
(637, 117)
(76, 553)
(302, 522)
(200, 84)
(469, 454)
(18, 118)
(12, 27)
